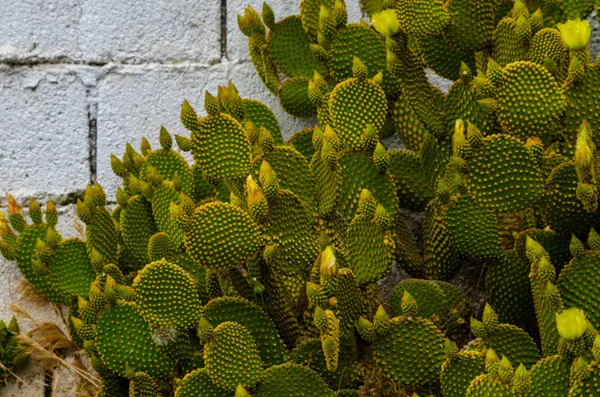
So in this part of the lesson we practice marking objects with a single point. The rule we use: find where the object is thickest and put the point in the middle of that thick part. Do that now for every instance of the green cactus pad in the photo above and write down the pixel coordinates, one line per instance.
(351, 302)
(433, 159)
(137, 226)
(26, 243)
(260, 114)
(442, 57)
(358, 173)
(356, 41)
(302, 142)
(355, 104)
(489, 386)
(370, 256)
(248, 314)
(575, 9)
(291, 52)
(71, 270)
(548, 44)
(507, 46)
(458, 372)
(412, 352)
(514, 343)
(162, 197)
(456, 304)
(293, 173)
(409, 126)
(550, 377)
(143, 385)
(289, 227)
(221, 148)
(578, 283)
(562, 208)
(199, 384)
(102, 235)
(263, 63)
(509, 290)
(472, 25)
(221, 236)
(583, 104)
(440, 256)
(588, 387)
(169, 163)
(167, 295)
(462, 104)
(496, 183)
(293, 96)
(411, 183)
(473, 229)
(429, 296)
(328, 182)
(519, 112)
(231, 357)
(309, 14)
(310, 354)
(408, 254)
(292, 380)
(422, 18)
(124, 339)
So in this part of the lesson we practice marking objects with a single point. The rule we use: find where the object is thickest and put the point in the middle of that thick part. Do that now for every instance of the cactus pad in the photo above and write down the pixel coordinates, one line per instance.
(239, 310)
(412, 351)
(231, 357)
(221, 236)
(167, 295)
(495, 183)
(125, 339)
(292, 380)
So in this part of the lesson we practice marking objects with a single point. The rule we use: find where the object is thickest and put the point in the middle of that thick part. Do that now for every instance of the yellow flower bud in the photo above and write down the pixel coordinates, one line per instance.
(571, 323)
(583, 151)
(386, 22)
(576, 33)
(328, 263)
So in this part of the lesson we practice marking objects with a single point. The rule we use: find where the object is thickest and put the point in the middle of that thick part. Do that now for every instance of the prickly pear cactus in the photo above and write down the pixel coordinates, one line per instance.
(265, 262)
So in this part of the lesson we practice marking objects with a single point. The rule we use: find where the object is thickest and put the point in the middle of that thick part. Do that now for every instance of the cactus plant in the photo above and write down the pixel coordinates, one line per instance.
(255, 270)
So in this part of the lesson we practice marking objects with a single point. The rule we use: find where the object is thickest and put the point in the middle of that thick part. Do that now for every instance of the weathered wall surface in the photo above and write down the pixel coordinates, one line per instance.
(80, 78)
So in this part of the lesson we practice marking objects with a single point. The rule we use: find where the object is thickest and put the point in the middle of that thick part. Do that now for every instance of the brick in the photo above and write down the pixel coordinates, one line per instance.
(44, 145)
(39, 28)
(151, 30)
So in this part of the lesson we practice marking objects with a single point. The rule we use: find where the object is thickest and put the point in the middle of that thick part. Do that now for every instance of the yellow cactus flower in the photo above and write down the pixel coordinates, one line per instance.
(571, 323)
(583, 151)
(328, 263)
(576, 33)
(386, 22)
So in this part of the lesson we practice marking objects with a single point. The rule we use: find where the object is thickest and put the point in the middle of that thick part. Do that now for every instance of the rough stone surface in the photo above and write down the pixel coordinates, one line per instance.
(46, 29)
(44, 129)
(150, 31)
(110, 30)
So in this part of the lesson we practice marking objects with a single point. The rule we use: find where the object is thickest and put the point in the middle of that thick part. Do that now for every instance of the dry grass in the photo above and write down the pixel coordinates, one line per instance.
(48, 345)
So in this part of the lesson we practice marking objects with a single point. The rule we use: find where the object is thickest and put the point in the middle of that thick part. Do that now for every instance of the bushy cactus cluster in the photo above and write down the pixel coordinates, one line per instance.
(254, 271)
(13, 352)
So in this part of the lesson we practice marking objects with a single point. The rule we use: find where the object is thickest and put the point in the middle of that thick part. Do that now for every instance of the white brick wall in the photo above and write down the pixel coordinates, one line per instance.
(80, 78)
